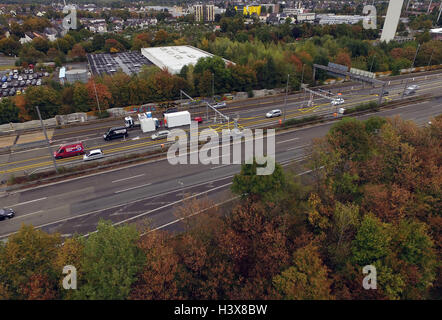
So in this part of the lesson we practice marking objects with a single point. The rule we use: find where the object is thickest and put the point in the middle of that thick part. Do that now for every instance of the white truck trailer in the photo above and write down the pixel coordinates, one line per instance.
(145, 121)
(177, 119)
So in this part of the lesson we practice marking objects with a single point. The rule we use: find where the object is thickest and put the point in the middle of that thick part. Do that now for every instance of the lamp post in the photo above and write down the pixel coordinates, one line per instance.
(47, 140)
(286, 92)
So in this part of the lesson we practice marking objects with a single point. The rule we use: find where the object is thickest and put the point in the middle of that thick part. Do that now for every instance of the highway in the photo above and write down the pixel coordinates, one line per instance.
(249, 112)
(147, 193)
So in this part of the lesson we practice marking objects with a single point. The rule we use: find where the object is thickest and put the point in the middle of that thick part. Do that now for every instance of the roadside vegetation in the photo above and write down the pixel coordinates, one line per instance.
(374, 197)
(263, 55)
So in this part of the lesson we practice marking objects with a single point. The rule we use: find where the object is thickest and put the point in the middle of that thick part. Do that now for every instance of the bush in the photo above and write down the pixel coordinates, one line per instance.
(102, 115)
(250, 94)
(362, 107)
(292, 122)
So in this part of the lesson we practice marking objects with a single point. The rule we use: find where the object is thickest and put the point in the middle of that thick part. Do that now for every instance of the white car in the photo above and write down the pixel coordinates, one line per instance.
(220, 105)
(93, 154)
(160, 135)
(337, 101)
(274, 113)
(20, 78)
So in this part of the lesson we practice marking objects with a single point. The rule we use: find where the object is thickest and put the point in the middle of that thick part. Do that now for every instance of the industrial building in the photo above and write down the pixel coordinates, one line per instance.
(174, 58)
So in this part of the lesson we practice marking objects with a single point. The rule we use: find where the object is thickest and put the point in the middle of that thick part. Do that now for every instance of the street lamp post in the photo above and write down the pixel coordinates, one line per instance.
(417, 50)
(286, 92)
(302, 77)
(372, 62)
(47, 140)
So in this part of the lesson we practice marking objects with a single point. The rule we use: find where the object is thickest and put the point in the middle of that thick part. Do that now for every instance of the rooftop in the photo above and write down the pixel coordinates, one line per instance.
(174, 58)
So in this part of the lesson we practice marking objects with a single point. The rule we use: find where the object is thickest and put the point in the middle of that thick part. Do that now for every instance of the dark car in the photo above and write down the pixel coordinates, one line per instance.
(6, 213)
(386, 93)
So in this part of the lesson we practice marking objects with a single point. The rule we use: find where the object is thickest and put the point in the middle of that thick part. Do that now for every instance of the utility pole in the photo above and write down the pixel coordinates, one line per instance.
(47, 140)
(213, 87)
(286, 92)
(406, 84)
(431, 56)
(302, 77)
(428, 10)
(372, 62)
(440, 11)
(417, 50)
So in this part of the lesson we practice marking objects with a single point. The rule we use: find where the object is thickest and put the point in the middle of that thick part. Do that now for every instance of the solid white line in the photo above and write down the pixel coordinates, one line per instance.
(224, 165)
(299, 147)
(30, 201)
(287, 140)
(144, 185)
(28, 214)
(119, 180)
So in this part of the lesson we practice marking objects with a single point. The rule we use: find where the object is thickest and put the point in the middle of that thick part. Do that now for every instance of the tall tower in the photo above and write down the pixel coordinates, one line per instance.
(391, 20)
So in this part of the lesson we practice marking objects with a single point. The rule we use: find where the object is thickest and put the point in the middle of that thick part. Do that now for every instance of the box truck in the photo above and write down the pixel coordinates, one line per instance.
(148, 124)
(177, 119)
(145, 121)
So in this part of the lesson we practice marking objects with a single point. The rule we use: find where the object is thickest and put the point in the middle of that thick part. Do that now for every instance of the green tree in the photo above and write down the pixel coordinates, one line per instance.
(81, 98)
(46, 98)
(248, 184)
(110, 263)
(8, 111)
(306, 279)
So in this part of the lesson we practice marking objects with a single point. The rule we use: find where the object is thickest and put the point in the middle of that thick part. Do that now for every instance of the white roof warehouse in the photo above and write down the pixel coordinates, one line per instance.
(174, 58)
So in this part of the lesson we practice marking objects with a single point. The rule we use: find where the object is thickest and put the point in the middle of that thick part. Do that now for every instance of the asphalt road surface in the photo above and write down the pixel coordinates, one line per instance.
(251, 114)
(149, 192)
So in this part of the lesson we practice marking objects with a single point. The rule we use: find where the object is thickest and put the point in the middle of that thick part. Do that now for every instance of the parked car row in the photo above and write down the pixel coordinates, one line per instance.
(15, 83)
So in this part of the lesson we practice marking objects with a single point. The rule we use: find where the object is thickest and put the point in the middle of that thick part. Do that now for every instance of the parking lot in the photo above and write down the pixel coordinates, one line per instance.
(106, 63)
(16, 81)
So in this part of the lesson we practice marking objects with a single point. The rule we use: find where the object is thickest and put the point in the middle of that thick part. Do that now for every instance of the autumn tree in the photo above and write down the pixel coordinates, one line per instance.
(26, 268)
(306, 279)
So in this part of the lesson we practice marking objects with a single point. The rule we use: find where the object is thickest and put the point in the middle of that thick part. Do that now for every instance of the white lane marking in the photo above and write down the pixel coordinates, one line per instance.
(223, 165)
(144, 185)
(28, 214)
(27, 202)
(299, 147)
(119, 180)
(287, 140)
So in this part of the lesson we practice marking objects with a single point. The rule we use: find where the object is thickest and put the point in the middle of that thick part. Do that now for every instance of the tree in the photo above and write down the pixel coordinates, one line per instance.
(46, 98)
(113, 46)
(77, 52)
(343, 58)
(26, 264)
(9, 46)
(371, 242)
(110, 263)
(100, 90)
(247, 184)
(8, 111)
(158, 279)
(81, 99)
(41, 44)
(306, 279)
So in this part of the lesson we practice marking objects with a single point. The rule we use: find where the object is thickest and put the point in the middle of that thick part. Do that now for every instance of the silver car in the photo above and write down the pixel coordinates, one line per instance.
(93, 154)
(160, 135)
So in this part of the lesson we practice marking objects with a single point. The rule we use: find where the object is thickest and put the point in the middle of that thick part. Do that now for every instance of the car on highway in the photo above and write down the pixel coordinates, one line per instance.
(337, 101)
(198, 119)
(386, 93)
(160, 135)
(6, 213)
(93, 154)
(69, 150)
(220, 105)
(274, 113)
(114, 133)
